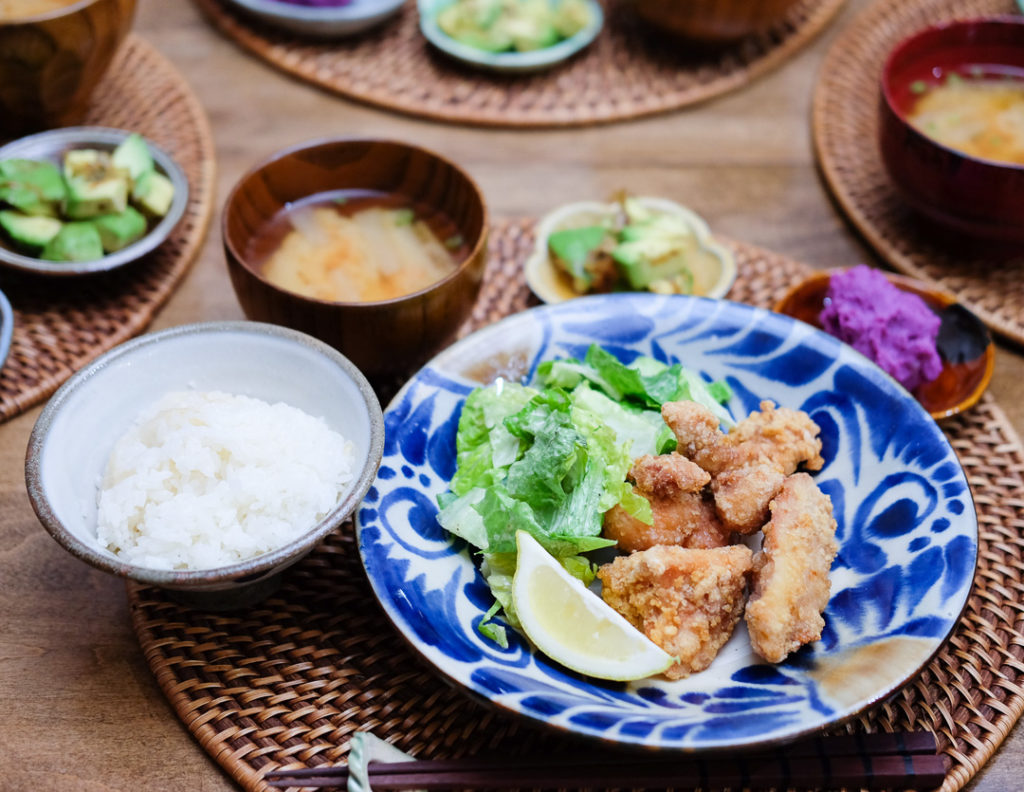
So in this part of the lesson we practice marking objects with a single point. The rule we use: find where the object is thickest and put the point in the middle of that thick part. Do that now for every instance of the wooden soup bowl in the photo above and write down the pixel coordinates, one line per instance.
(386, 338)
(713, 22)
(50, 63)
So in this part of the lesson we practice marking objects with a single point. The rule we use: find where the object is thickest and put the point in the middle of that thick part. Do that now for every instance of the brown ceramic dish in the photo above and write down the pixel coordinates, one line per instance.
(50, 63)
(713, 22)
(965, 346)
(976, 196)
(387, 338)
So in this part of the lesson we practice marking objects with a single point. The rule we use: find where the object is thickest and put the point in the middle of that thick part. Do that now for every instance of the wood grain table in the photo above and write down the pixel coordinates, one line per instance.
(79, 709)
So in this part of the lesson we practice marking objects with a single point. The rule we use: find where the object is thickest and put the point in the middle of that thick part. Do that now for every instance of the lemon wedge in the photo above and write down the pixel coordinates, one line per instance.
(574, 626)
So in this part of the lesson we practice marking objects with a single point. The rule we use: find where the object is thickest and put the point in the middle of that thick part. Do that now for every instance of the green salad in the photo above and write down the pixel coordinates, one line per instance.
(553, 458)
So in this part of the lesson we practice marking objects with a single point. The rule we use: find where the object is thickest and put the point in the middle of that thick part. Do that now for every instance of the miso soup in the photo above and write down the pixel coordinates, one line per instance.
(979, 114)
(25, 9)
(355, 246)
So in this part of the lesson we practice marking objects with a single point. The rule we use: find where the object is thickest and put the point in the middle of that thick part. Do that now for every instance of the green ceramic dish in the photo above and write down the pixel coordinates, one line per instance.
(507, 62)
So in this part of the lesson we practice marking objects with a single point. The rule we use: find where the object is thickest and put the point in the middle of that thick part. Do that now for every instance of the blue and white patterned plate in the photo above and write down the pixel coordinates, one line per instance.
(906, 525)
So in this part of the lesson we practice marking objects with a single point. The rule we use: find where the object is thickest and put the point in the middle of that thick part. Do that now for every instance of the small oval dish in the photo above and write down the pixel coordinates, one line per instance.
(320, 21)
(51, 146)
(964, 343)
(72, 440)
(552, 285)
(6, 328)
(507, 62)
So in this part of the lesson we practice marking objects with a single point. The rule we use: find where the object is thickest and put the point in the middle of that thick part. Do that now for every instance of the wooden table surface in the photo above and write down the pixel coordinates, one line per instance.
(79, 708)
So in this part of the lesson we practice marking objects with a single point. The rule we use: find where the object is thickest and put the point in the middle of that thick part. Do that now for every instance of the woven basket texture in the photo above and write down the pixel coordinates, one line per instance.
(626, 73)
(60, 324)
(287, 683)
(845, 129)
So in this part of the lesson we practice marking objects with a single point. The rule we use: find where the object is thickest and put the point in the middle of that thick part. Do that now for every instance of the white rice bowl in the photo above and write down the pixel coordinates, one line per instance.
(209, 479)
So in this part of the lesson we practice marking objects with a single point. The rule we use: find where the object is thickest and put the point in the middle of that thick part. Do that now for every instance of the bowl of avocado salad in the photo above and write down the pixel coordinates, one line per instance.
(512, 36)
(633, 243)
(81, 200)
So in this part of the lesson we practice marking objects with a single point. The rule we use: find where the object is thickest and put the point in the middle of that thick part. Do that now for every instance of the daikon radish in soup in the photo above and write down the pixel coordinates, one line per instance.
(345, 247)
(981, 115)
(25, 9)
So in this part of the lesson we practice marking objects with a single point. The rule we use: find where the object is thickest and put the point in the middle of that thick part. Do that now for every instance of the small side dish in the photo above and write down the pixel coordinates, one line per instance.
(937, 349)
(514, 36)
(632, 244)
(79, 200)
(96, 202)
(321, 18)
(513, 25)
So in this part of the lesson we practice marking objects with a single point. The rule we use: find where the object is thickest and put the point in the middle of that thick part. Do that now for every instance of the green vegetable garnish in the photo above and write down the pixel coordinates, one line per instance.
(404, 217)
(552, 459)
(918, 87)
(454, 242)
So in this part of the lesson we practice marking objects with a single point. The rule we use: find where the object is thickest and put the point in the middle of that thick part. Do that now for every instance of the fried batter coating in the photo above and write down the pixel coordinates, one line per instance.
(687, 601)
(682, 516)
(749, 464)
(790, 578)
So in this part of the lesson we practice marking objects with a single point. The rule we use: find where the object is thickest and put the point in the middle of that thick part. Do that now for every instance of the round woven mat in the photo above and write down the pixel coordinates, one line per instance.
(626, 73)
(60, 324)
(287, 683)
(845, 122)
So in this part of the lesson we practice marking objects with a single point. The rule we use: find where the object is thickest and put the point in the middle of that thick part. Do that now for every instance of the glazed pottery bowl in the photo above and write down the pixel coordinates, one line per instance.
(964, 344)
(384, 338)
(713, 22)
(551, 285)
(976, 196)
(72, 440)
(507, 62)
(52, 146)
(321, 22)
(50, 62)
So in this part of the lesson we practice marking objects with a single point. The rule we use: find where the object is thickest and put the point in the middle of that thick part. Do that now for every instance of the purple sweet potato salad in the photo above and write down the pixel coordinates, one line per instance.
(896, 329)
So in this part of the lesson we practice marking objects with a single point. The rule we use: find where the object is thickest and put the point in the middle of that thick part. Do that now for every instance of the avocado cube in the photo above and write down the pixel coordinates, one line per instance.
(571, 16)
(153, 193)
(530, 33)
(31, 233)
(75, 242)
(34, 187)
(120, 230)
(95, 185)
(133, 156)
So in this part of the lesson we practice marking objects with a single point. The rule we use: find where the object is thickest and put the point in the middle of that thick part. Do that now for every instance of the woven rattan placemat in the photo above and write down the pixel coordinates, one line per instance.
(60, 324)
(845, 124)
(626, 73)
(289, 681)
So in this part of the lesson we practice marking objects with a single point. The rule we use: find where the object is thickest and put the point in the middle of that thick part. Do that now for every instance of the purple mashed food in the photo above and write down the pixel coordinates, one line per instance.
(894, 328)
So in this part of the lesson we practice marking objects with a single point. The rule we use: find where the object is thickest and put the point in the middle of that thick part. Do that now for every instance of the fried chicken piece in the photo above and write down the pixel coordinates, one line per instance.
(673, 485)
(687, 601)
(749, 464)
(790, 573)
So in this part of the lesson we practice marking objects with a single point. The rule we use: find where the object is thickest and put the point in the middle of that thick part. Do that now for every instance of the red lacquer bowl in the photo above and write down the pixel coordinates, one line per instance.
(976, 196)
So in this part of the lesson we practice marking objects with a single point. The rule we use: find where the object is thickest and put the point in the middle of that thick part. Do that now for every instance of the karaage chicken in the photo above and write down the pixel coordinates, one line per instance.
(790, 587)
(687, 601)
(682, 516)
(749, 464)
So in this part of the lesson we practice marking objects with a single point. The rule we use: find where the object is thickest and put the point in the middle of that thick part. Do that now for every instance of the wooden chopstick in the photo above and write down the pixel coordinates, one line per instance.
(873, 761)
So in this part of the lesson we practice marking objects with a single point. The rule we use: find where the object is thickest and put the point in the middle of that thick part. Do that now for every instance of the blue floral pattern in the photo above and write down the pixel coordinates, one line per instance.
(906, 526)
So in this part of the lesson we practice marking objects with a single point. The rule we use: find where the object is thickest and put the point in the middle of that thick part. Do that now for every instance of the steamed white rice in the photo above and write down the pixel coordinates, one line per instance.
(203, 480)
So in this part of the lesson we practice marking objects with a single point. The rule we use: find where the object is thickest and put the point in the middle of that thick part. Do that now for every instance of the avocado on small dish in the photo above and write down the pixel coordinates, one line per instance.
(34, 188)
(633, 244)
(511, 36)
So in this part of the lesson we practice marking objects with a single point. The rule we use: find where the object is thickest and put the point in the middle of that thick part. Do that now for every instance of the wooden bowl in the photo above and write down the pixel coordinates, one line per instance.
(965, 345)
(976, 196)
(387, 338)
(714, 22)
(51, 62)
